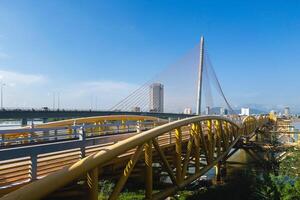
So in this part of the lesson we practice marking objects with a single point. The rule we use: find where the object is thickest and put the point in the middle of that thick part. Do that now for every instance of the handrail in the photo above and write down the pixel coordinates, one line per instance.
(97, 119)
(71, 127)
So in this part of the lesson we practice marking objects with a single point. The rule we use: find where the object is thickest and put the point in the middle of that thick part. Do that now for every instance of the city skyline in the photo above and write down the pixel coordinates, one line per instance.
(34, 63)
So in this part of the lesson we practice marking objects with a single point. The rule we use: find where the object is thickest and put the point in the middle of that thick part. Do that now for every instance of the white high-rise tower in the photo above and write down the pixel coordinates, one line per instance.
(156, 97)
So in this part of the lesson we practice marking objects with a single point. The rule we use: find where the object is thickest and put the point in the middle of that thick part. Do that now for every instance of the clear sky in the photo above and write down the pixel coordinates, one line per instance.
(87, 49)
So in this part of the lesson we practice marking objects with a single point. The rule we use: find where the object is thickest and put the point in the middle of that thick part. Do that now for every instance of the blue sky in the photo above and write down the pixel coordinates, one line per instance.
(87, 46)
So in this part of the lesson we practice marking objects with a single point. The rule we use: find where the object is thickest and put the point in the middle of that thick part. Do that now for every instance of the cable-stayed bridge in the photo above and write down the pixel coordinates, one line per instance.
(67, 158)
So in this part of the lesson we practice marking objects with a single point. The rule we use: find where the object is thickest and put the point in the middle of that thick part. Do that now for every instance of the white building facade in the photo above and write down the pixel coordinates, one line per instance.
(245, 111)
(156, 97)
(187, 111)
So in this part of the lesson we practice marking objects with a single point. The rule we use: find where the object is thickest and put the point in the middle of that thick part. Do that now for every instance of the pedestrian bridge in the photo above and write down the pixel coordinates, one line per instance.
(117, 149)
(66, 159)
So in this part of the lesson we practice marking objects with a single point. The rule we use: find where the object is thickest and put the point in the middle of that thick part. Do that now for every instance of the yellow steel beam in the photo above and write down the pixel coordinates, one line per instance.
(70, 122)
(165, 162)
(188, 153)
(178, 151)
(172, 190)
(126, 173)
(204, 143)
(92, 183)
(218, 130)
(56, 180)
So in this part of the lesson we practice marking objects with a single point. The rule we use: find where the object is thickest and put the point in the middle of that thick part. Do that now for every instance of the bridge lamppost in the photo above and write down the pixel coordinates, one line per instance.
(2, 85)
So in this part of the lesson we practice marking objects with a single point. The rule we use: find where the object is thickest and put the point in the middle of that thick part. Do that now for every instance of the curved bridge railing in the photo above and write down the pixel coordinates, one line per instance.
(199, 142)
(70, 129)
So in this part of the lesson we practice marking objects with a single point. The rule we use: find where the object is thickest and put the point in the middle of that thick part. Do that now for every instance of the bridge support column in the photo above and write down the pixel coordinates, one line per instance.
(92, 183)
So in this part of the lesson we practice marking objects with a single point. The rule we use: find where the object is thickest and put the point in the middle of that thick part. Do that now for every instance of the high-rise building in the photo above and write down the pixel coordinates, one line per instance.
(156, 97)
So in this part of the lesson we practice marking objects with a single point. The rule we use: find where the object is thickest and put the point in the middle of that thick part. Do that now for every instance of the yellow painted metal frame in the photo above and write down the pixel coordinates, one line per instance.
(212, 135)
(97, 119)
(88, 120)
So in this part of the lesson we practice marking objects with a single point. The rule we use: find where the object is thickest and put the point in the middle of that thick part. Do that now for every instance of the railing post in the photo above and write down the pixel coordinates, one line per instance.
(149, 176)
(123, 126)
(92, 183)
(138, 126)
(31, 132)
(82, 137)
(33, 170)
(55, 134)
(118, 128)
(74, 129)
(70, 131)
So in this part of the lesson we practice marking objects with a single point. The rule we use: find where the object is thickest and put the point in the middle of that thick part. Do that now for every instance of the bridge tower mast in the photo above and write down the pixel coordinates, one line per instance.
(200, 72)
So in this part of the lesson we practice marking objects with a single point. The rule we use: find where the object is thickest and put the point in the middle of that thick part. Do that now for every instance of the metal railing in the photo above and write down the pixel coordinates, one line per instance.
(31, 135)
(79, 143)
(209, 137)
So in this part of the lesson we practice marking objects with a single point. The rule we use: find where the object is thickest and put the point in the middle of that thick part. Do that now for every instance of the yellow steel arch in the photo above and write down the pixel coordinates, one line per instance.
(211, 136)
(250, 123)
